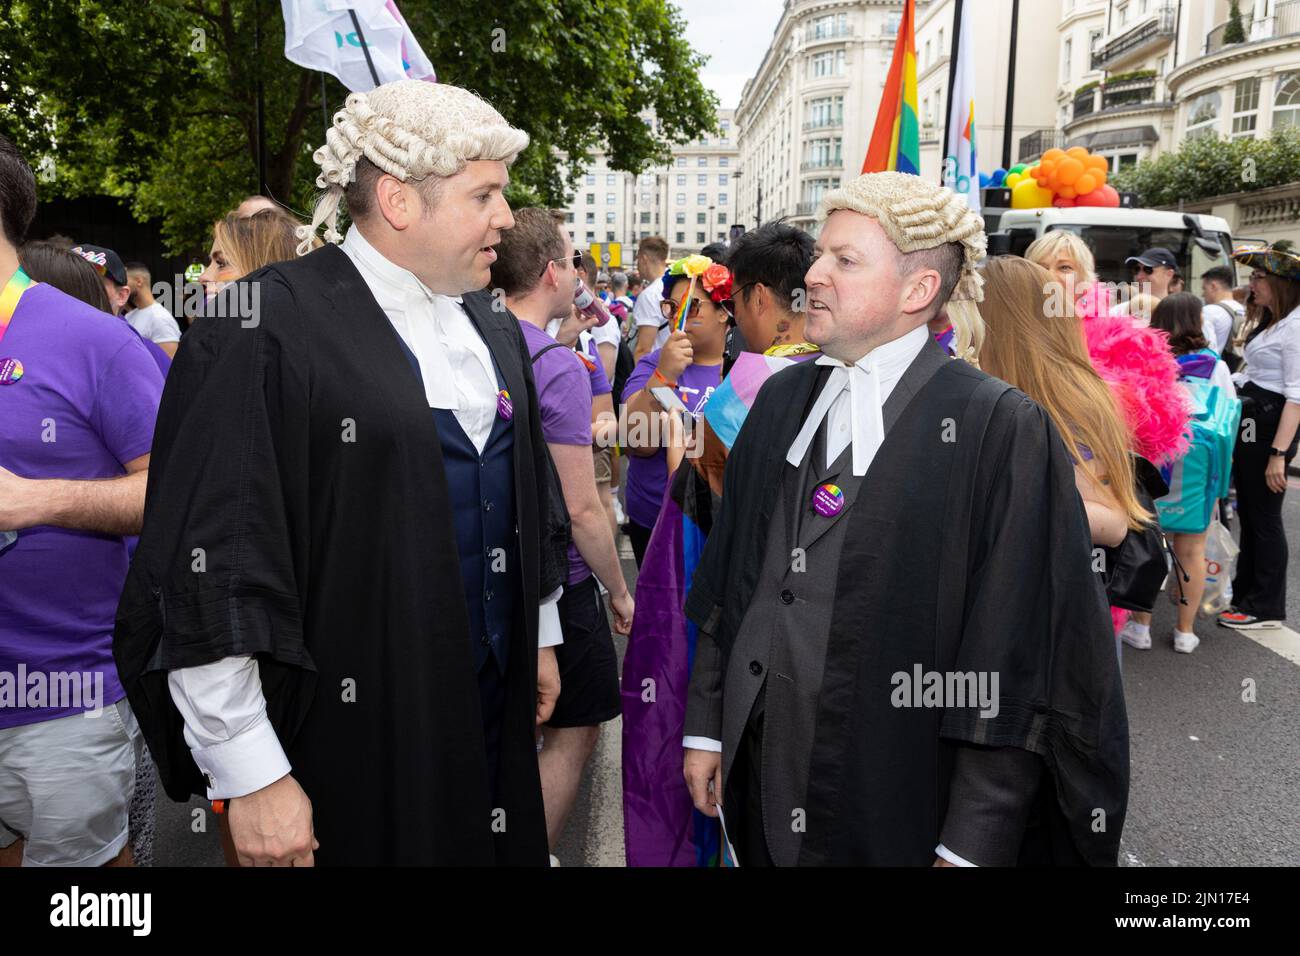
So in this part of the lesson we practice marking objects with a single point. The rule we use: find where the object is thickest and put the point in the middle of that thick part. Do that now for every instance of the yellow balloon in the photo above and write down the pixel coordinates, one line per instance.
(1013, 180)
(1027, 194)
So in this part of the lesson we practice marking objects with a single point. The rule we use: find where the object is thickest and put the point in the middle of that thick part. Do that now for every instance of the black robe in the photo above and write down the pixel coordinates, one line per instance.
(967, 550)
(335, 563)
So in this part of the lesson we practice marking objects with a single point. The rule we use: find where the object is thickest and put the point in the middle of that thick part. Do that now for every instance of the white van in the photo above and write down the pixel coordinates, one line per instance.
(1198, 242)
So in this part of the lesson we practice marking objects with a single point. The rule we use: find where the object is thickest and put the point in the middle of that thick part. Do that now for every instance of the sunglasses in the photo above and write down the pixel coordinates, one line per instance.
(576, 259)
(1143, 271)
(669, 308)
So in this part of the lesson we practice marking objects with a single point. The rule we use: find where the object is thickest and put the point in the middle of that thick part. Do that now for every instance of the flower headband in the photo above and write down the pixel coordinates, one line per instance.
(713, 276)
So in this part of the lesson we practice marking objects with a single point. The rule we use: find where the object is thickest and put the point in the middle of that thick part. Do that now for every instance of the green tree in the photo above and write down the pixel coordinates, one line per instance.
(156, 103)
(1210, 166)
(1234, 31)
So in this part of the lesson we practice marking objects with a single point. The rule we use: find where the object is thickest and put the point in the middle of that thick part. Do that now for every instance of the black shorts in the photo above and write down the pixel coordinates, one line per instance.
(589, 692)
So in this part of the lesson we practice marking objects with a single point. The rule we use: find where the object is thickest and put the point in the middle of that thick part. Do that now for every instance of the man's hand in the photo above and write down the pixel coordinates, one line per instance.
(940, 861)
(17, 509)
(624, 608)
(548, 683)
(272, 826)
(702, 768)
(676, 354)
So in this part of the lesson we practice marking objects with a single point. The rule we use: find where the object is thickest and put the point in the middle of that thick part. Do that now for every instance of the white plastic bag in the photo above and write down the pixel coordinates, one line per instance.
(1220, 561)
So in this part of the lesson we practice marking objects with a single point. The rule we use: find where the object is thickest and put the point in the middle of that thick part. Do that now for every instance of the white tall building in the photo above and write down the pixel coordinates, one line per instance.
(691, 202)
(1138, 77)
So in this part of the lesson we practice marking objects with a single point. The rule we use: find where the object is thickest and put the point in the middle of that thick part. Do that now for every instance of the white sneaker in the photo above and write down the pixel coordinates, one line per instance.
(619, 515)
(1136, 636)
(1185, 643)
(555, 861)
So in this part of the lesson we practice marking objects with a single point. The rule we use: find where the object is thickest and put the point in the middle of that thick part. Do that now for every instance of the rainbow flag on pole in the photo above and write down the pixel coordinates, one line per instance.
(896, 139)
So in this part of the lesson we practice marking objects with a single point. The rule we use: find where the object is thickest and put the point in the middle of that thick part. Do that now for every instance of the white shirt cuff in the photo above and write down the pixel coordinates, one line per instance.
(702, 743)
(953, 858)
(549, 632)
(247, 762)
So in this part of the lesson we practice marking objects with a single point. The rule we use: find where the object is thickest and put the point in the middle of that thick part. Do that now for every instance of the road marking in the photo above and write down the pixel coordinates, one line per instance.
(1280, 640)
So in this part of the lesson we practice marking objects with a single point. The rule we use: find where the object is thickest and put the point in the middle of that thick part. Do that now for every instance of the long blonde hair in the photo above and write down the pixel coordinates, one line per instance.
(1045, 357)
(258, 240)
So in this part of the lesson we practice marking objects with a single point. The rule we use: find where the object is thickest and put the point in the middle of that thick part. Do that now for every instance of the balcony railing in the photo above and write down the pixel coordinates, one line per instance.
(824, 124)
(1285, 21)
(812, 35)
(821, 164)
(1085, 103)
(1039, 142)
(1161, 26)
(806, 207)
(1128, 93)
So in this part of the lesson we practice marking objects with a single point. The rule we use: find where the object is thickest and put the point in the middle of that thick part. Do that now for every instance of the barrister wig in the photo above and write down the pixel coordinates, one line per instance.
(917, 214)
(410, 129)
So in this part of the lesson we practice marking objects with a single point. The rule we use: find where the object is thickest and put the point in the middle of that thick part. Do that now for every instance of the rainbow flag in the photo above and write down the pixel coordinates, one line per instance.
(896, 139)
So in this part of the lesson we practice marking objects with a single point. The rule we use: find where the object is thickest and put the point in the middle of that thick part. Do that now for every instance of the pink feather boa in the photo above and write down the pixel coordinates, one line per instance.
(1143, 376)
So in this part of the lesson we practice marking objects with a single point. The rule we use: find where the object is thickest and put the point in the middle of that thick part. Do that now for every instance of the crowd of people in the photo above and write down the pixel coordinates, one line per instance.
(347, 563)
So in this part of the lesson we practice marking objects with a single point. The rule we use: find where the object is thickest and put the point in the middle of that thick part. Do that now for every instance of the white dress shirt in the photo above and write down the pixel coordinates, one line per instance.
(222, 704)
(1273, 357)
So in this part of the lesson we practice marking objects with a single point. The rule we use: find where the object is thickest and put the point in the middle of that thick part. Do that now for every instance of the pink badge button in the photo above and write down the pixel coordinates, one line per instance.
(828, 500)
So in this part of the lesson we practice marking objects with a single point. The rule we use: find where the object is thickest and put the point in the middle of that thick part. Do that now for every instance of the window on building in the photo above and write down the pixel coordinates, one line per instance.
(829, 63)
(681, 237)
(700, 218)
(1067, 49)
(1121, 12)
(926, 61)
(1203, 115)
(722, 179)
(823, 152)
(702, 161)
(1094, 41)
(722, 219)
(609, 199)
(926, 118)
(568, 217)
(609, 217)
(681, 180)
(722, 199)
(1286, 100)
(723, 161)
(939, 43)
(1245, 108)
(645, 218)
(591, 236)
(702, 179)
(645, 234)
(611, 179)
(681, 160)
(609, 236)
(1161, 64)
(702, 199)
(591, 199)
(680, 218)
(681, 199)
(591, 180)
(724, 124)
(645, 199)
(591, 217)
(825, 111)
(699, 237)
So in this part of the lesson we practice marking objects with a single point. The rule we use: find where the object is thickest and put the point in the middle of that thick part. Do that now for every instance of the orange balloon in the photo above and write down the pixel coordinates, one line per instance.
(1067, 192)
(1097, 162)
(1085, 184)
(1053, 155)
(1077, 152)
(1069, 172)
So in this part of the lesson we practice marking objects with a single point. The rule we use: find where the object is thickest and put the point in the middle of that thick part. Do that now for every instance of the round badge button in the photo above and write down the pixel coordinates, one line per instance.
(505, 408)
(11, 370)
(828, 500)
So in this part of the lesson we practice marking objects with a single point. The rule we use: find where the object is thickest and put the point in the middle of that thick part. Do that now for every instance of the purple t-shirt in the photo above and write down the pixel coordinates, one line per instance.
(599, 380)
(564, 395)
(647, 476)
(84, 407)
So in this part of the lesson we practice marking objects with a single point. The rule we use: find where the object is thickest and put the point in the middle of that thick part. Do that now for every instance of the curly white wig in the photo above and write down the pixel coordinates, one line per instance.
(409, 129)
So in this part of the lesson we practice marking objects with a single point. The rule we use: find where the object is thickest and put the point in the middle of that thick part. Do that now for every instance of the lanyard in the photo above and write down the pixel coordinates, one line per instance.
(13, 291)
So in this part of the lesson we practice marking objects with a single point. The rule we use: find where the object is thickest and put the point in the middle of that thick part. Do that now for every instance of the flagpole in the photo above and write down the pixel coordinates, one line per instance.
(1011, 87)
(952, 81)
(261, 104)
(324, 103)
(361, 37)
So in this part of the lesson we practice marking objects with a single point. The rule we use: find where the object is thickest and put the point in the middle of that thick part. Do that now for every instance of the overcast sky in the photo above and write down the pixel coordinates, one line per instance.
(734, 34)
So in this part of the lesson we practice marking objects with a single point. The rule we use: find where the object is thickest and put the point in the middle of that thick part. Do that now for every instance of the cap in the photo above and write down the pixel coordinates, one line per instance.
(106, 261)
(1155, 256)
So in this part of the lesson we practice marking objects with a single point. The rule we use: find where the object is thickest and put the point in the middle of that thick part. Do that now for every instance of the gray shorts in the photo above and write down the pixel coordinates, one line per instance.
(66, 786)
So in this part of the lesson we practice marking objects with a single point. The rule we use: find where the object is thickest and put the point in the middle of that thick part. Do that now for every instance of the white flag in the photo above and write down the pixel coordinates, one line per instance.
(320, 35)
(960, 172)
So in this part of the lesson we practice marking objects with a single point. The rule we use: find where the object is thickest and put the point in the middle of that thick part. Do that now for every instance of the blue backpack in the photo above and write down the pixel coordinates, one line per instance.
(1200, 478)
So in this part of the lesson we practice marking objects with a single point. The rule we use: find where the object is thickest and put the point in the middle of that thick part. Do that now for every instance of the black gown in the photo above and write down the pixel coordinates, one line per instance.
(299, 453)
(967, 551)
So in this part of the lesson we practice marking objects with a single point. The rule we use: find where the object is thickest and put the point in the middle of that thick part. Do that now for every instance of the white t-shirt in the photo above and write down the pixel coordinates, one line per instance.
(1219, 318)
(155, 323)
(646, 311)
